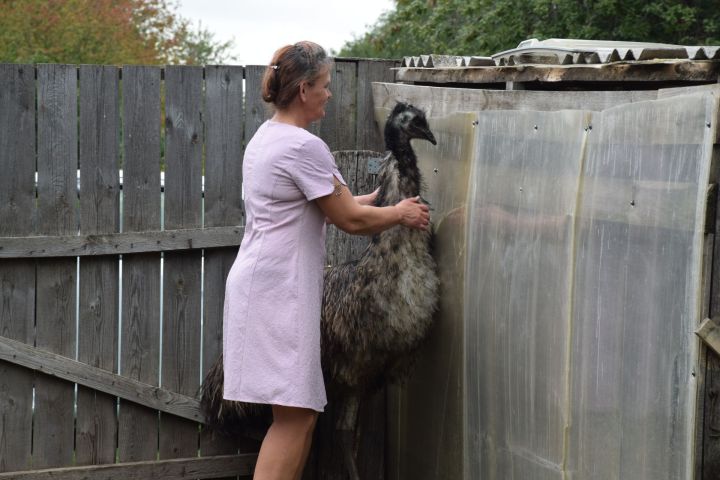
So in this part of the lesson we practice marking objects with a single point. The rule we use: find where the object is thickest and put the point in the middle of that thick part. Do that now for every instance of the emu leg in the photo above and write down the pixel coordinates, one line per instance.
(346, 426)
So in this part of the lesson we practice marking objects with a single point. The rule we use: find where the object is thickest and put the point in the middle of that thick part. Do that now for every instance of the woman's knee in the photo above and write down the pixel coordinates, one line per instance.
(302, 419)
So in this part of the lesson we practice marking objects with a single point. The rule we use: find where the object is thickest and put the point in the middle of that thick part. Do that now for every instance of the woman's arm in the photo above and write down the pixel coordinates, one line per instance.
(344, 210)
(368, 199)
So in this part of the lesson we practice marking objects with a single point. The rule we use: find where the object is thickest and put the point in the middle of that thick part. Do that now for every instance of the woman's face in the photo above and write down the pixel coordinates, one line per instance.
(317, 95)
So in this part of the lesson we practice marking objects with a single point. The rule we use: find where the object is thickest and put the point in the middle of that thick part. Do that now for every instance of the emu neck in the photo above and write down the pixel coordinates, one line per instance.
(398, 180)
(405, 166)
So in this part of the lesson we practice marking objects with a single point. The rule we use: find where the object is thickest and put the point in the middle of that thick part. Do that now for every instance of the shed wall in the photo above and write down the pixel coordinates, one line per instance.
(582, 261)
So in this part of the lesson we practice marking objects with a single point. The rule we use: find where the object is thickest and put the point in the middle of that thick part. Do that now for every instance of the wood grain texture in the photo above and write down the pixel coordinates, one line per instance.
(338, 128)
(369, 133)
(464, 100)
(17, 277)
(224, 130)
(708, 410)
(650, 71)
(53, 365)
(223, 206)
(96, 424)
(179, 469)
(57, 162)
(119, 243)
(181, 276)
(700, 371)
(709, 332)
(342, 247)
(256, 110)
(140, 322)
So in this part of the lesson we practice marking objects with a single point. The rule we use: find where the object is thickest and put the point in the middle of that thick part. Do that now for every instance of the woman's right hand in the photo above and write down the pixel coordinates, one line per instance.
(413, 213)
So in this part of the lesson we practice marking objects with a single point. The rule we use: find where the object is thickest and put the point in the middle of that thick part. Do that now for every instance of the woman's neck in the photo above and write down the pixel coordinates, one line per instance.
(292, 115)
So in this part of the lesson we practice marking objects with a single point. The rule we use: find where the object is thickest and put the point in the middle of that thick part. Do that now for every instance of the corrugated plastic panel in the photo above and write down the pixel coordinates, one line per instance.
(636, 295)
(582, 291)
(518, 291)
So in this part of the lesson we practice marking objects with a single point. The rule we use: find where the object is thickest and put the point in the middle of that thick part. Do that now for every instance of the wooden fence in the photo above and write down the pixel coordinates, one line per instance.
(111, 288)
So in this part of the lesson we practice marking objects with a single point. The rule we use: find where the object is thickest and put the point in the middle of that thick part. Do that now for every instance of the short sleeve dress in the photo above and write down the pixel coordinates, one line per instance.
(273, 293)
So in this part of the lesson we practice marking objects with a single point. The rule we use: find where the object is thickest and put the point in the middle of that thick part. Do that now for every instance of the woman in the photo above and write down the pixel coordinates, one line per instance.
(273, 293)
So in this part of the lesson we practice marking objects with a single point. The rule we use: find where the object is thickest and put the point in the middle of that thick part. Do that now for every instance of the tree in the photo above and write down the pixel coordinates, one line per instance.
(484, 27)
(102, 32)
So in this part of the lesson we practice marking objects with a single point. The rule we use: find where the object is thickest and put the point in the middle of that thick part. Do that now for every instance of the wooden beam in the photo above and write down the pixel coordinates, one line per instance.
(177, 469)
(71, 370)
(120, 243)
(709, 332)
(645, 71)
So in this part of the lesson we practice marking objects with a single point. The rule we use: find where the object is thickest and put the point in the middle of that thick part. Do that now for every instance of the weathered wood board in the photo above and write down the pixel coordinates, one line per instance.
(140, 301)
(17, 277)
(96, 430)
(53, 426)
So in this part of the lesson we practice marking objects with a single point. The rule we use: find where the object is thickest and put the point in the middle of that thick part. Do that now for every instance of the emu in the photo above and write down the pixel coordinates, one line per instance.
(376, 310)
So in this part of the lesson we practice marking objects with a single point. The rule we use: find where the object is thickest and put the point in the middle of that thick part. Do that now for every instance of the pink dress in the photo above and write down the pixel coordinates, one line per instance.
(273, 293)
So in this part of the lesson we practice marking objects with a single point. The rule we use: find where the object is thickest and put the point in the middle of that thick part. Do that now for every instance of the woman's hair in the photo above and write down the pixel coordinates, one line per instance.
(290, 66)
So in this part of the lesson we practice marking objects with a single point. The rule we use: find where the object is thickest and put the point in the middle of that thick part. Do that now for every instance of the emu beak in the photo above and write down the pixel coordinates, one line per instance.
(428, 135)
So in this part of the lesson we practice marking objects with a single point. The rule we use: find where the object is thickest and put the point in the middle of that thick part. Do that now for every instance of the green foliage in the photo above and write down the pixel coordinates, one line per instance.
(111, 32)
(484, 27)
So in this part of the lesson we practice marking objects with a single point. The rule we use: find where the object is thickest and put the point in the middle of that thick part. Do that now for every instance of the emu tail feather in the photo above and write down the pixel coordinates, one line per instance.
(227, 417)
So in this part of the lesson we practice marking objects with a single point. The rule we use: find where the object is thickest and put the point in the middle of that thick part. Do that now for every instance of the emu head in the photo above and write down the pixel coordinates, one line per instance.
(404, 123)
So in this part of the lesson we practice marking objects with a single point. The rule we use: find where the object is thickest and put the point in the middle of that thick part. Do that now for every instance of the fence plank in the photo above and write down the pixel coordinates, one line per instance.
(179, 469)
(53, 426)
(338, 128)
(181, 292)
(17, 277)
(337, 242)
(256, 110)
(96, 429)
(353, 165)
(369, 133)
(51, 364)
(119, 243)
(140, 322)
(223, 206)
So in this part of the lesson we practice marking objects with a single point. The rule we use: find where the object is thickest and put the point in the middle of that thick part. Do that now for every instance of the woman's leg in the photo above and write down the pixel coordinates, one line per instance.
(285, 448)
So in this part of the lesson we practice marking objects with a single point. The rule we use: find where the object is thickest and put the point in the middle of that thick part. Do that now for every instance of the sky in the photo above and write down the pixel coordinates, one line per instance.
(261, 27)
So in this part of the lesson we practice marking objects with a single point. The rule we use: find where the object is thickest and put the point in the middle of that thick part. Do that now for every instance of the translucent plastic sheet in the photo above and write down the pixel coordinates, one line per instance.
(569, 247)
(518, 291)
(582, 291)
(636, 302)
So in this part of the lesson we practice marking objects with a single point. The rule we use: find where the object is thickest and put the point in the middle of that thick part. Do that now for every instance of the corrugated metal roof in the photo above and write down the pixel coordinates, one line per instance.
(445, 61)
(560, 51)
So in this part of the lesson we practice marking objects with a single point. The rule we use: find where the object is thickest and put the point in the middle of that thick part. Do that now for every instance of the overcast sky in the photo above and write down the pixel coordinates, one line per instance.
(261, 27)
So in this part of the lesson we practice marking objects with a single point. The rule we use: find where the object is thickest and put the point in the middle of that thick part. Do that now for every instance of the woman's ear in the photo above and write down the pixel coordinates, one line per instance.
(303, 91)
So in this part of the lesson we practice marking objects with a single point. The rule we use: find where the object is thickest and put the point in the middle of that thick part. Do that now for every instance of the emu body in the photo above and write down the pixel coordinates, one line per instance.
(377, 310)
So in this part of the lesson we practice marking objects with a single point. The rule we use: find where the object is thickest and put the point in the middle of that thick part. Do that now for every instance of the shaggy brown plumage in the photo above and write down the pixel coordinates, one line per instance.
(376, 311)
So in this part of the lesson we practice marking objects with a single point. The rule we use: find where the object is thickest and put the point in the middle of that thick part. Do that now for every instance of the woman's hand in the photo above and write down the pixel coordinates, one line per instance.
(413, 214)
